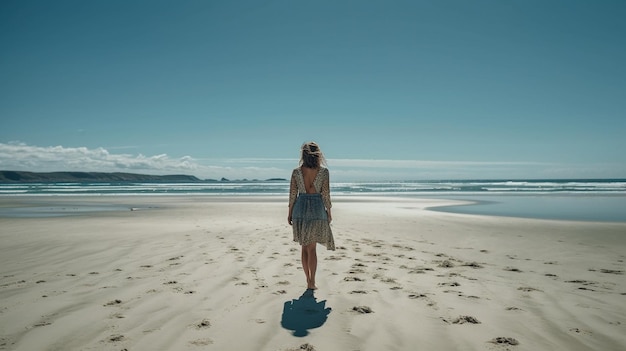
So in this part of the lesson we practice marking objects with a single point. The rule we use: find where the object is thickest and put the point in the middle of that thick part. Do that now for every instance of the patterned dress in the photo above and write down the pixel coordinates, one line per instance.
(309, 217)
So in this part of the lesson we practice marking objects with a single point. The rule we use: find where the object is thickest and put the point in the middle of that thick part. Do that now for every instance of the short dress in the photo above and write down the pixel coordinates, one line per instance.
(309, 217)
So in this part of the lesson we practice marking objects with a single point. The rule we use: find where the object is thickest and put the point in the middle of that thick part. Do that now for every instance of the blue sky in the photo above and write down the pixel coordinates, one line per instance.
(389, 89)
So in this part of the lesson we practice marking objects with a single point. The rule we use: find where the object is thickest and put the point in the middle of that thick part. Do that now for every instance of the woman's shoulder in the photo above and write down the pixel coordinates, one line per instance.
(298, 169)
(323, 172)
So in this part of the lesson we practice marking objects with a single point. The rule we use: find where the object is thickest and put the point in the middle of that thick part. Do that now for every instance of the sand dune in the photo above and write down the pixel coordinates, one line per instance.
(209, 273)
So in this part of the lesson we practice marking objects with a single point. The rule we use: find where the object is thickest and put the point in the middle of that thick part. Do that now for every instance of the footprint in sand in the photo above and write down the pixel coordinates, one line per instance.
(463, 320)
(611, 271)
(352, 279)
(362, 309)
(303, 347)
(580, 331)
(356, 271)
(205, 323)
(449, 284)
(501, 340)
(113, 302)
(402, 247)
(446, 264)
(384, 279)
(583, 282)
(418, 270)
(42, 324)
(115, 338)
(472, 265)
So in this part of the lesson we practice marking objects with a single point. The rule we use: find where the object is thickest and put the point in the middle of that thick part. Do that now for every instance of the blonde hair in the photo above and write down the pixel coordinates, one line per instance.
(311, 155)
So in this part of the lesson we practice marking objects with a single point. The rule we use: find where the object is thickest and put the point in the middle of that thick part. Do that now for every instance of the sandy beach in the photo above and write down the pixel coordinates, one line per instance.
(218, 273)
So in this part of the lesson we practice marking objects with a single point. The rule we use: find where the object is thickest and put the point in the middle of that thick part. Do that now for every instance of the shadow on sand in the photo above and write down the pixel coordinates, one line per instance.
(304, 313)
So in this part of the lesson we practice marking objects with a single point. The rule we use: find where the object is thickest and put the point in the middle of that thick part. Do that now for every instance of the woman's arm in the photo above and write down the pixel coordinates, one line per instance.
(325, 192)
(293, 194)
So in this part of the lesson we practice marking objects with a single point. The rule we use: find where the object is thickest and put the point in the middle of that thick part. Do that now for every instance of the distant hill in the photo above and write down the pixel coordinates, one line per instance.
(89, 177)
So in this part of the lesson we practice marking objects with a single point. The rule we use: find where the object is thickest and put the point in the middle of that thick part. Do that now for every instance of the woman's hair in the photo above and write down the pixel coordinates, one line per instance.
(312, 156)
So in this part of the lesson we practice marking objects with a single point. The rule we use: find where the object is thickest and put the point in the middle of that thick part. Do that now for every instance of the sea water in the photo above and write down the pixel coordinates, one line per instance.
(580, 199)
(587, 207)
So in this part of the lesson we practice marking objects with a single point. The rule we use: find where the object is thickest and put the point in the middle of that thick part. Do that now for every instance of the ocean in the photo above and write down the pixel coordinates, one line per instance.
(580, 199)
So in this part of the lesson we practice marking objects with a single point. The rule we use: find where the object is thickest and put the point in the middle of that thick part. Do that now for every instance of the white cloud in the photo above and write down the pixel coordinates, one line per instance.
(20, 156)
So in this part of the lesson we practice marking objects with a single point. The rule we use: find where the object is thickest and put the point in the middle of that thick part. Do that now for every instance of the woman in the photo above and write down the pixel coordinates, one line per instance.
(309, 208)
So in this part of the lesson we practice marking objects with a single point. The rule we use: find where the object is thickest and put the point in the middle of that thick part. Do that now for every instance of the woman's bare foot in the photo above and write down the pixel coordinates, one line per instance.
(311, 285)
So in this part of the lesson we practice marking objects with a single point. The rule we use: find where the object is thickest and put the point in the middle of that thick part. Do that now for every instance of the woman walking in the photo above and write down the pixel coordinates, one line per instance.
(309, 207)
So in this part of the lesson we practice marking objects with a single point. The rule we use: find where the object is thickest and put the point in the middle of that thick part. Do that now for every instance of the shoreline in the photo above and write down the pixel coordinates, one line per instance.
(600, 208)
(193, 273)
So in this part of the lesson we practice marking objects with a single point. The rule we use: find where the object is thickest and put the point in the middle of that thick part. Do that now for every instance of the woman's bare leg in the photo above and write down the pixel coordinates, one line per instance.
(309, 255)
(305, 264)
